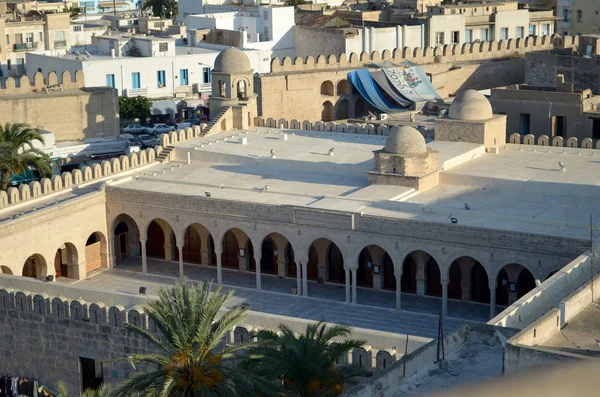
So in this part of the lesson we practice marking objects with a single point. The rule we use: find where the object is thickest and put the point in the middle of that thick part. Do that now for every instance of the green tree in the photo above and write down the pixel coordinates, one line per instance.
(191, 362)
(305, 365)
(74, 11)
(17, 152)
(162, 8)
(104, 390)
(296, 3)
(134, 108)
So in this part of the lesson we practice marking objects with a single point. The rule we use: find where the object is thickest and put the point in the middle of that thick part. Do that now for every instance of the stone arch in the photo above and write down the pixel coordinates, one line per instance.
(96, 252)
(56, 182)
(543, 140)
(5, 270)
(77, 176)
(421, 274)
(360, 107)
(343, 88)
(196, 240)
(327, 88)
(327, 112)
(512, 282)
(374, 263)
(66, 261)
(158, 239)
(46, 185)
(35, 267)
(343, 110)
(59, 307)
(24, 192)
(3, 199)
(126, 237)
(237, 250)
(514, 138)
(277, 255)
(384, 358)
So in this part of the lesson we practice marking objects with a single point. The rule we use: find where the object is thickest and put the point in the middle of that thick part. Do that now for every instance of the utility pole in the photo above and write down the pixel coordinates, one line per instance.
(592, 255)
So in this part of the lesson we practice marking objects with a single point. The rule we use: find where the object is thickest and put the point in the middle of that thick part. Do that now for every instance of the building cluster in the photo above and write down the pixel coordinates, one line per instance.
(436, 158)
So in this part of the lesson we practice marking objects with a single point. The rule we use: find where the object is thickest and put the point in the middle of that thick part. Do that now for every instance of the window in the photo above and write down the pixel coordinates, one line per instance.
(241, 89)
(77, 28)
(183, 77)
(21, 65)
(160, 24)
(566, 15)
(520, 32)
(579, 16)
(206, 75)
(439, 38)
(265, 15)
(129, 22)
(545, 29)
(163, 47)
(503, 33)
(559, 126)
(468, 35)
(455, 37)
(110, 80)
(7, 39)
(161, 79)
(596, 128)
(18, 38)
(266, 34)
(135, 80)
(8, 64)
(41, 37)
(484, 34)
(532, 30)
(222, 89)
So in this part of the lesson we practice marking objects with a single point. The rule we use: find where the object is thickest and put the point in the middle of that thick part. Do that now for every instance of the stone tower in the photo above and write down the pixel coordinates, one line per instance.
(233, 87)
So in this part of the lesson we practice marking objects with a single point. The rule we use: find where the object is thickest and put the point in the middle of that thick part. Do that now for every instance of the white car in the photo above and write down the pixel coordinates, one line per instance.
(159, 129)
(133, 129)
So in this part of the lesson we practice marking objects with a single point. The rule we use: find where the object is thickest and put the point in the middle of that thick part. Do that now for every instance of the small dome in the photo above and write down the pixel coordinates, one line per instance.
(470, 105)
(405, 141)
(232, 61)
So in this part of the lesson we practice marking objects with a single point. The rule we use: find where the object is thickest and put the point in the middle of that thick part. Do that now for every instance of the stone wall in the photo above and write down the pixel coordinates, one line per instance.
(63, 106)
(541, 69)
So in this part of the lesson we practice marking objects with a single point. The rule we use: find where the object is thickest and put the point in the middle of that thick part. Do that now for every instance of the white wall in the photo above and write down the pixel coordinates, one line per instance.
(511, 20)
(446, 24)
(371, 39)
(96, 69)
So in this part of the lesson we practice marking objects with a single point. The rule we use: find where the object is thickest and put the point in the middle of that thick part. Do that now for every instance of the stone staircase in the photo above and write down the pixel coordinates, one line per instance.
(216, 121)
(164, 155)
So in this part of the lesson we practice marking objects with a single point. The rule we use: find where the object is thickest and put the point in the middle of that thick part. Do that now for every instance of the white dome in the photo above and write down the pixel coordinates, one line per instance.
(470, 105)
(405, 141)
(232, 61)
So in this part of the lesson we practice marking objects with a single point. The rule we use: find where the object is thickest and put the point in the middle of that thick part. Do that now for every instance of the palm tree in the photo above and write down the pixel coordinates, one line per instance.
(104, 390)
(305, 365)
(17, 152)
(162, 8)
(188, 363)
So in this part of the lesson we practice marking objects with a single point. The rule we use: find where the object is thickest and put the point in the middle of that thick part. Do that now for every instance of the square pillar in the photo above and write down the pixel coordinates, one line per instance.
(421, 287)
(257, 259)
(180, 262)
(281, 266)
(242, 262)
(444, 297)
(144, 257)
(299, 278)
(168, 252)
(492, 300)
(113, 257)
(305, 278)
(204, 257)
(322, 271)
(347, 285)
(377, 282)
(353, 271)
(79, 271)
(219, 267)
(398, 290)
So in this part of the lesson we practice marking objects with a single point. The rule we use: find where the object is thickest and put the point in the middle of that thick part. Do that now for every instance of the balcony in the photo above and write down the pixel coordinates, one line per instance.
(202, 87)
(60, 43)
(25, 46)
(132, 92)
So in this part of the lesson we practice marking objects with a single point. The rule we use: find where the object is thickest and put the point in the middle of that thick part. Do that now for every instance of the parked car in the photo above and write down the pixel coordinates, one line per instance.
(147, 141)
(184, 125)
(130, 138)
(133, 129)
(159, 128)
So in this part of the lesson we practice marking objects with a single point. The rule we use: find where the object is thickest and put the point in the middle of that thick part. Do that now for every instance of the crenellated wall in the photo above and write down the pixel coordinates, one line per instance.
(22, 85)
(447, 53)
(307, 125)
(557, 141)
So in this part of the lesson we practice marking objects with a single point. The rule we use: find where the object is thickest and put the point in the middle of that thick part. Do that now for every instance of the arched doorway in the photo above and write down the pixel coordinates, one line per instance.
(290, 261)
(433, 278)
(335, 265)
(193, 238)
(269, 254)
(364, 273)
(389, 278)
(35, 267)
(525, 283)
(212, 261)
(65, 259)
(480, 286)
(343, 87)
(327, 88)
(454, 281)
(502, 288)
(156, 246)
(408, 281)
(96, 252)
(231, 251)
(126, 237)
(343, 110)
(327, 113)
(360, 108)
(5, 270)
(312, 268)
(250, 261)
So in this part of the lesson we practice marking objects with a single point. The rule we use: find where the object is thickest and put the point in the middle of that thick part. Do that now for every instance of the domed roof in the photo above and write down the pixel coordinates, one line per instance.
(232, 61)
(406, 141)
(470, 105)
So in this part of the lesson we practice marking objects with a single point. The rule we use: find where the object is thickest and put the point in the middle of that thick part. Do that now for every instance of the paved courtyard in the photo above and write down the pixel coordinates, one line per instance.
(375, 310)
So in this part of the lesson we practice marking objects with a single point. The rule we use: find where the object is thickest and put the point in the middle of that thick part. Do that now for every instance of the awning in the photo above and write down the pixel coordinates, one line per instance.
(164, 107)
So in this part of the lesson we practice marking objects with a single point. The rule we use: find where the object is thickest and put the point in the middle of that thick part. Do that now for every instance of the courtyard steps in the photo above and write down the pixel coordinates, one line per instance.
(215, 121)
(165, 154)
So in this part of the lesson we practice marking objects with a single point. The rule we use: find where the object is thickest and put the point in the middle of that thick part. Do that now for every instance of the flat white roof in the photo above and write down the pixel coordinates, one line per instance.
(521, 188)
